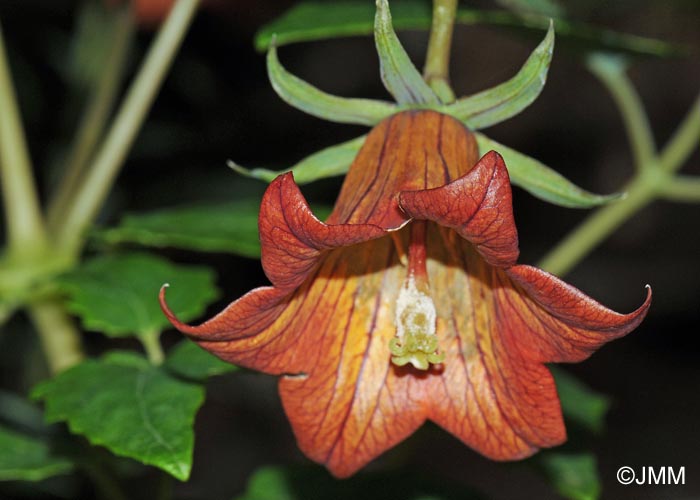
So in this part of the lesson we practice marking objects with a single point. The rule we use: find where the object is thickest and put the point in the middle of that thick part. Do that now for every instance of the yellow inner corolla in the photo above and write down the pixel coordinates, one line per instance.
(416, 341)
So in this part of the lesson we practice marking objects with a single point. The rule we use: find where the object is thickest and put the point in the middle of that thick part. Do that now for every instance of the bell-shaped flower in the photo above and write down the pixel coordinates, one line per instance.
(407, 305)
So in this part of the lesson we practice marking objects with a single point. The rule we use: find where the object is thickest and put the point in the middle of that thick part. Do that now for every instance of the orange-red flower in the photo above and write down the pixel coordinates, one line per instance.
(407, 305)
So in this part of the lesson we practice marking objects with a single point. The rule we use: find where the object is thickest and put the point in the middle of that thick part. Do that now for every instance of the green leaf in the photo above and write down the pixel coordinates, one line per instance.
(399, 75)
(222, 227)
(548, 8)
(314, 483)
(132, 408)
(308, 21)
(118, 294)
(307, 98)
(190, 361)
(509, 98)
(541, 181)
(574, 476)
(25, 458)
(580, 404)
(329, 162)
(314, 20)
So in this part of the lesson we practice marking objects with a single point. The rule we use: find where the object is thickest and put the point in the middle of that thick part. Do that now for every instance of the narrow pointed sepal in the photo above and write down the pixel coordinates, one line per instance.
(307, 98)
(329, 162)
(399, 75)
(478, 206)
(506, 100)
(542, 181)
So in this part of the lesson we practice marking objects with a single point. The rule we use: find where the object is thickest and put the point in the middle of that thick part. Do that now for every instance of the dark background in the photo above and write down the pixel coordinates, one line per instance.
(217, 104)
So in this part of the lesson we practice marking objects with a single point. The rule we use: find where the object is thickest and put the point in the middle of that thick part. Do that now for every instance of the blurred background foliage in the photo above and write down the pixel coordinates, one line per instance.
(216, 104)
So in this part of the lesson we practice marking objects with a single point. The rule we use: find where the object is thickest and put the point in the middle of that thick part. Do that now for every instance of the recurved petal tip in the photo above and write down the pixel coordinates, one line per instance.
(478, 206)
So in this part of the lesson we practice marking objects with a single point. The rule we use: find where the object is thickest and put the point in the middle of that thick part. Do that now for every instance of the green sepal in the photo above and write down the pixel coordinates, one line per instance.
(573, 475)
(399, 75)
(541, 181)
(307, 98)
(329, 162)
(132, 408)
(506, 100)
(118, 294)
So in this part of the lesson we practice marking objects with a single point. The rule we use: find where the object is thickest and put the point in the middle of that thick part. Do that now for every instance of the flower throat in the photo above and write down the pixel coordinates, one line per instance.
(416, 341)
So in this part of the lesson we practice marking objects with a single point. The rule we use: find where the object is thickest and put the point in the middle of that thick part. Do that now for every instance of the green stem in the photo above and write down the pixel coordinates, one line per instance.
(109, 159)
(611, 72)
(25, 225)
(154, 351)
(93, 121)
(574, 247)
(437, 63)
(684, 141)
(682, 188)
(59, 338)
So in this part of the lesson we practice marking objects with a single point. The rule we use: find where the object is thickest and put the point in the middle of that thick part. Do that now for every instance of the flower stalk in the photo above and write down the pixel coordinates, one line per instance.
(25, 225)
(653, 178)
(93, 122)
(437, 64)
(110, 157)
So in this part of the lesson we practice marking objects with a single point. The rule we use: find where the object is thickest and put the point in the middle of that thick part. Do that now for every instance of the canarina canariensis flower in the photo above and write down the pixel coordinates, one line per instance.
(407, 305)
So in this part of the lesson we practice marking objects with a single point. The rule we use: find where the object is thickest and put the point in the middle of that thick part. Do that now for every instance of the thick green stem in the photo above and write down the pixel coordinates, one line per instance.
(59, 338)
(154, 351)
(682, 188)
(96, 114)
(437, 62)
(611, 71)
(684, 141)
(574, 247)
(25, 225)
(98, 181)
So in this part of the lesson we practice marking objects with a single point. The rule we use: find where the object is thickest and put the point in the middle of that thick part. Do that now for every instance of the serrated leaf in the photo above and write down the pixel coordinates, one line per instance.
(134, 409)
(580, 404)
(574, 476)
(499, 103)
(222, 227)
(399, 75)
(25, 458)
(541, 181)
(307, 98)
(190, 361)
(118, 294)
(313, 20)
(329, 162)
(313, 483)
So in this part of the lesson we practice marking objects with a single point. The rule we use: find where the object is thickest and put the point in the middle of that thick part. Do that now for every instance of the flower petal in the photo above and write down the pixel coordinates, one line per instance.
(293, 241)
(354, 404)
(478, 206)
(408, 151)
(492, 398)
(555, 322)
(292, 238)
